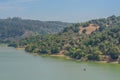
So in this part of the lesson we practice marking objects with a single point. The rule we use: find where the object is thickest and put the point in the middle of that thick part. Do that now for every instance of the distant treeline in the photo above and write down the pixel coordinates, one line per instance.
(17, 27)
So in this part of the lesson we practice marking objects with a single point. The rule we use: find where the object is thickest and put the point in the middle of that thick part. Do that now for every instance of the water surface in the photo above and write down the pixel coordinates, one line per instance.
(19, 65)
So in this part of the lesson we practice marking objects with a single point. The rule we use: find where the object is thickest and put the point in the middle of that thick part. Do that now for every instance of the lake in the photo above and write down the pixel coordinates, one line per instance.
(19, 65)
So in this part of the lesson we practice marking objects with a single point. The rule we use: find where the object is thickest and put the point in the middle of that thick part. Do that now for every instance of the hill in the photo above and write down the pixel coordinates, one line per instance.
(19, 28)
(97, 40)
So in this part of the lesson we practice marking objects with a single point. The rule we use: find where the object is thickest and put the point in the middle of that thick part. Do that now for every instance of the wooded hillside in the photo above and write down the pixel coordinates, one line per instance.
(20, 28)
(100, 42)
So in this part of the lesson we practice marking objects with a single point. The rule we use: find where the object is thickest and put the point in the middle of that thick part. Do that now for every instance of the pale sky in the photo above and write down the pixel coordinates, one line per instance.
(59, 10)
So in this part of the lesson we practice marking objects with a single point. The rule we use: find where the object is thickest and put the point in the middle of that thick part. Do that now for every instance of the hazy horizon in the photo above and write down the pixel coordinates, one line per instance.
(59, 10)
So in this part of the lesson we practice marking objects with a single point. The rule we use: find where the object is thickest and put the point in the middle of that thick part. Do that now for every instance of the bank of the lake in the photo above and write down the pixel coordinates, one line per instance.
(67, 57)
(62, 56)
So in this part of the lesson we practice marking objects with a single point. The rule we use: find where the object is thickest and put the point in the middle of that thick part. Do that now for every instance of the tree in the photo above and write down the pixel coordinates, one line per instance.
(114, 53)
(43, 51)
(54, 50)
(84, 31)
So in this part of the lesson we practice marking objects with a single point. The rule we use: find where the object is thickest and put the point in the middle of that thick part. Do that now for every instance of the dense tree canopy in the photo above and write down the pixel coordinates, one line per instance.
(105, 41)
(20, 28)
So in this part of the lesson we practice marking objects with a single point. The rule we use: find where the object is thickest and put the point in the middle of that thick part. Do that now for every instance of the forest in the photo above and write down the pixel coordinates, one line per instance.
(16, 27)
(99, 43)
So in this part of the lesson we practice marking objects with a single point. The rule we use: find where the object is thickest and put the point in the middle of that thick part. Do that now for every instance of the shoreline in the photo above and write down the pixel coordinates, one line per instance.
(20, 48)
(68, 58)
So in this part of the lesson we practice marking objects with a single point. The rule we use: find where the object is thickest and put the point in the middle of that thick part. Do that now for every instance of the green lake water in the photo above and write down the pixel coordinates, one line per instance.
(19, 65)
